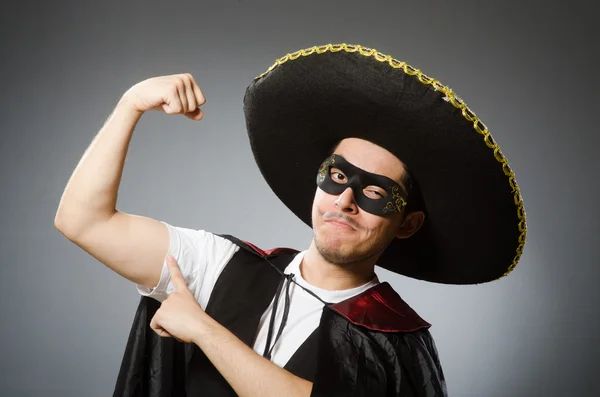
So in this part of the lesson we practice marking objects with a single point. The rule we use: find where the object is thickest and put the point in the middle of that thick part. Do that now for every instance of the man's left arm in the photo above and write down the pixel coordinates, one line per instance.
(249, 374)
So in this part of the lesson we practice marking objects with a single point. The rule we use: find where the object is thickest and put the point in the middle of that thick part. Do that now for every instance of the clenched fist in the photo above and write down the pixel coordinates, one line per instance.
(175, 94)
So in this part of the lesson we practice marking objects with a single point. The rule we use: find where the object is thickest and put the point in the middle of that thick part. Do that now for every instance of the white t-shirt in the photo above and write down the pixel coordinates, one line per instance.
(202, 256)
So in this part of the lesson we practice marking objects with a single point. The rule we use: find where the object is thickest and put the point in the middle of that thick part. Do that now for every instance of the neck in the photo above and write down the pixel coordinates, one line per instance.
(321, 273)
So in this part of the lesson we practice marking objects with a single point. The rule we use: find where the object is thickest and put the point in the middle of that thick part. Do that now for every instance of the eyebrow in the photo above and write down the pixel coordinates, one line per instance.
(404, 189)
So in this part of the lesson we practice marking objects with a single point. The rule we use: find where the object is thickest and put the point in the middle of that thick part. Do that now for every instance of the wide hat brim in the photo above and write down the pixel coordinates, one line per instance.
(308, 101)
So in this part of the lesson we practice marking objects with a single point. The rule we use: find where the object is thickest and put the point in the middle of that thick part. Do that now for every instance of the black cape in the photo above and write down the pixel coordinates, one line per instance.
(372, 344)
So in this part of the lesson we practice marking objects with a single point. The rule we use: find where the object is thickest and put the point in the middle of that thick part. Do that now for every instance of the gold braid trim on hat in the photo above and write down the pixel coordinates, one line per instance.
(450, 97)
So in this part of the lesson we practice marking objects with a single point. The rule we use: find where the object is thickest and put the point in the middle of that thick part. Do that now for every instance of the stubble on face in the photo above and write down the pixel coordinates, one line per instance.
(337, 248)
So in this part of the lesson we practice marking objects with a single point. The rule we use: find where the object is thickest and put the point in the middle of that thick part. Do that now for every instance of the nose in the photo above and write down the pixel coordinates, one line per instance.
(345, 201)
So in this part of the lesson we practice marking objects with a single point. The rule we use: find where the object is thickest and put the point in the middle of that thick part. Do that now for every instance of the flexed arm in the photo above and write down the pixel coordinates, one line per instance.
(131, 245)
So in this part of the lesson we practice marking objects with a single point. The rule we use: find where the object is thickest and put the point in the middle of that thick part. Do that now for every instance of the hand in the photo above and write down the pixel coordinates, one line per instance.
(175, 94)
(180, 315)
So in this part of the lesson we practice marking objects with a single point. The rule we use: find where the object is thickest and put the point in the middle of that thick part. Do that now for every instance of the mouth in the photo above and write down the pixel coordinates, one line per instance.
(340, 224)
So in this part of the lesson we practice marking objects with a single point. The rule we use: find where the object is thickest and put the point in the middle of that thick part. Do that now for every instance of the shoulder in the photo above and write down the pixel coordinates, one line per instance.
(196, 238)
(380, 309)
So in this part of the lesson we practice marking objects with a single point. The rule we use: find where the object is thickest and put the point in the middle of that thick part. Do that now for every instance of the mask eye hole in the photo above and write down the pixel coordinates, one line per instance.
(338, 176)
(374, 192)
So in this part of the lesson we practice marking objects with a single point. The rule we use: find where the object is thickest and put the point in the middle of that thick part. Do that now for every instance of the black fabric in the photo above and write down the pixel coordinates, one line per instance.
(299, 110)
(340, 358)
(151, 366)
(304, 362)
(356, 362)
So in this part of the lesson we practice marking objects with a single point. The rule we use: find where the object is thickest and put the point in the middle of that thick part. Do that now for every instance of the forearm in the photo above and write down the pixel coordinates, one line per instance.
(248, 373)
(91, 193)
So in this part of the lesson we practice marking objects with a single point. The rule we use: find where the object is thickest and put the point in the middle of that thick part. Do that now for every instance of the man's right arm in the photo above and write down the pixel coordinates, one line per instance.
(131, 245)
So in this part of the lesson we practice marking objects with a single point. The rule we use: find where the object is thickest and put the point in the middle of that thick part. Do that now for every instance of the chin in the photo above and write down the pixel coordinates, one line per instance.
(338, 250)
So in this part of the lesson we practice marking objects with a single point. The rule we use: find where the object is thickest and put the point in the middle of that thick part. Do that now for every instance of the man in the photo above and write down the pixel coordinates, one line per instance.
(401, 188)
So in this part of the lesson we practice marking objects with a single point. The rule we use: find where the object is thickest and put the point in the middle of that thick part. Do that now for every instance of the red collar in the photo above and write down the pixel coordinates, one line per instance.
(380, 308)
(273, 251)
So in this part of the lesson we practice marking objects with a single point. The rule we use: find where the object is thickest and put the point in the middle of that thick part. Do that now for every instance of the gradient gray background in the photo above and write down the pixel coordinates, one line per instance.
(527, 69)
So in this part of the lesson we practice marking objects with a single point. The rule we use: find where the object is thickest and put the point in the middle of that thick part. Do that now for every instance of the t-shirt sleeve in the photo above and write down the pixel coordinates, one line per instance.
(201, 257)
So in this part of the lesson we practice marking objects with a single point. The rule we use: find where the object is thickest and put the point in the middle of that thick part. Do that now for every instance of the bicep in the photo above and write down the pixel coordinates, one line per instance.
(133, 246)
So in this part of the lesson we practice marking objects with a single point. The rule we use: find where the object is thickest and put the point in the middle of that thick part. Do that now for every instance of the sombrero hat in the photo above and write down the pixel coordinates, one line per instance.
(309, 100)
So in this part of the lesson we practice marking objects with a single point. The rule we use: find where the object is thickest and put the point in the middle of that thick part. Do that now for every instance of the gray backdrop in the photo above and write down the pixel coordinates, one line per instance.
(525, 68)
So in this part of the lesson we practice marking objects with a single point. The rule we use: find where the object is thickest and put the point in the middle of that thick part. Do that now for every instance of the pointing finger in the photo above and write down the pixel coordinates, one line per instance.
(176, 276)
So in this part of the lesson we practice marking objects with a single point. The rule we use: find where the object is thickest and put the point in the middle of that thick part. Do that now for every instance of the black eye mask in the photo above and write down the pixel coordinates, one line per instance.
(358, 180)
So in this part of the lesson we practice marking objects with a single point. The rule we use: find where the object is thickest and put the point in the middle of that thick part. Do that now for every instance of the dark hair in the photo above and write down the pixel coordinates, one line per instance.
(415, 198)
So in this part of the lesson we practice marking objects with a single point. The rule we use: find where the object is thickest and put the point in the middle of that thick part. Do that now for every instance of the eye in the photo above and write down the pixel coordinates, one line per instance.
(374, 193)
(337, 176)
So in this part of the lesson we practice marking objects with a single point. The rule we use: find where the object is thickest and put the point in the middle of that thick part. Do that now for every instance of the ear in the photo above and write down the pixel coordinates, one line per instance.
(412, 223)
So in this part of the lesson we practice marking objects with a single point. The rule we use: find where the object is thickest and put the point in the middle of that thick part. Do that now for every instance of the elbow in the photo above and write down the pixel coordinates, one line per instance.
(71, 224)
(65, 226)
(74, 223)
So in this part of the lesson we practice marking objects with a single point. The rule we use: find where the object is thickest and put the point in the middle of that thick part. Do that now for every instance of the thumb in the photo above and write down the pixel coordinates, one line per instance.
(195, 115)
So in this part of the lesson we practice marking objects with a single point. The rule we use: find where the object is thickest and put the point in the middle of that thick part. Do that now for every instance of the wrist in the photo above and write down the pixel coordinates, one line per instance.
(127, 105)
(202, 328)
